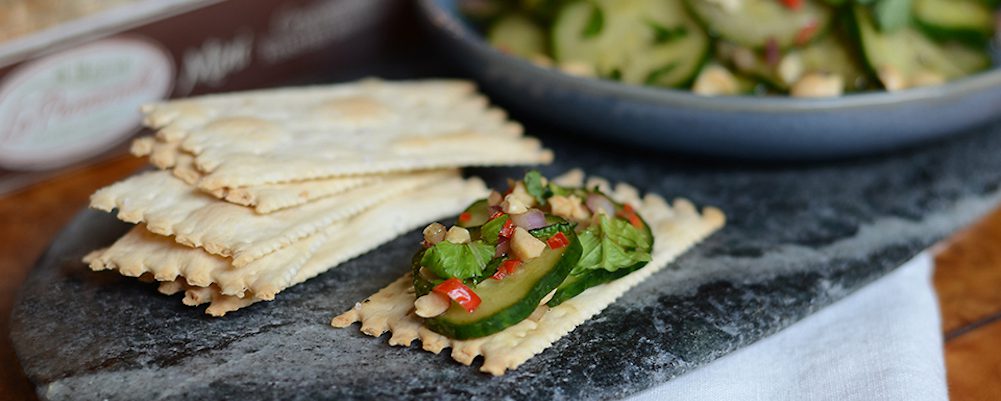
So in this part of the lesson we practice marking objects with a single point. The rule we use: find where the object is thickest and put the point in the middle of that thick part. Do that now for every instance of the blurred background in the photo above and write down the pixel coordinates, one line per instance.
(771, 81)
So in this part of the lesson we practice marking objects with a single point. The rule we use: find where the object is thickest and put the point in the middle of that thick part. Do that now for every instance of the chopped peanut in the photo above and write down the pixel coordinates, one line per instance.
(578, 68)
(434, 233)
(715, 80)
(926, 78)
(570, 208)
(513, 205)
(431, 305)
(818, 85)
(524, 246)
(891, 78)
(791, 68)
(457, 235)
(495, 198)
(518, 201)
(522, 193)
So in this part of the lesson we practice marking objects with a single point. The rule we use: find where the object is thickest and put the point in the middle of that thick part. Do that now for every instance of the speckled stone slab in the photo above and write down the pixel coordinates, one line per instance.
(798, 238)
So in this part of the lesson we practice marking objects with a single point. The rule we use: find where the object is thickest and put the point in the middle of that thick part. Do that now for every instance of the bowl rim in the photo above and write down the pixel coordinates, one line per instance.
(446, 21)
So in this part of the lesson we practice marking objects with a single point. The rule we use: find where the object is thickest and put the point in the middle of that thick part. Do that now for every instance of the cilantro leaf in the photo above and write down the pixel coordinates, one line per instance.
(663, 34)
(490, 231)
(595, 23)
(612, 244)
(534, 187)
(462, 261)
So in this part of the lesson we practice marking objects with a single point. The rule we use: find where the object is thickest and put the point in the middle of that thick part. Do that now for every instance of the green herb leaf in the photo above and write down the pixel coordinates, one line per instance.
(611, 244)
(462, 261)
(491, 229)
(558, 190)
(663, 34)
(595, 23)
(534, 187)
(590, 257)
(655, 75)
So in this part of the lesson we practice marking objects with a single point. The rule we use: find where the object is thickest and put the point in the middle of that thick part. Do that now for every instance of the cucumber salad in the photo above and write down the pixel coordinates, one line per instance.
(803, 48)
(538, 243)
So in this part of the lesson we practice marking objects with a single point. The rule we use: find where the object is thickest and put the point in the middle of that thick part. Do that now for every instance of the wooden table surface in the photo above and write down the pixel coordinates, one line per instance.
(968, 279)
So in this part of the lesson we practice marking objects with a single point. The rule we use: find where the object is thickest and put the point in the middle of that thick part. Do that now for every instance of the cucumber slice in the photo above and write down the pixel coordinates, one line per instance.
(637, 41)
(517, 35)
(757, 21)
(575, 34)
(513, 299)
(835, 55)
(577, 283)
(964, 20)
(909, 54)
(479, 213)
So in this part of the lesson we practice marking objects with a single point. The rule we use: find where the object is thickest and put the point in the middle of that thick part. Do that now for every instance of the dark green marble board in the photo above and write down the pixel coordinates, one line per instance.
(798, 238)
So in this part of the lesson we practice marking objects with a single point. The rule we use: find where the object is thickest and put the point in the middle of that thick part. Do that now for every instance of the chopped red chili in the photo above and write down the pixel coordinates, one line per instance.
(805, 34)
(558, 241)
(793, 4)
(507, 230)
(496, 215)
(506, 268)
(630, 214)
(455, 290)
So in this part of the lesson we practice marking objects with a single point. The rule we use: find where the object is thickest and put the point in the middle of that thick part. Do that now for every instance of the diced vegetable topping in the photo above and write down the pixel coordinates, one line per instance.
(491, 231)
(524, 245)
(670, 43)
(630, 214)
(557, 241)
(612, 244)
(446, 259)
(506, 268)
(455, 290)
(507, 230)
(793, 4)
(535, 186)
(556, 246)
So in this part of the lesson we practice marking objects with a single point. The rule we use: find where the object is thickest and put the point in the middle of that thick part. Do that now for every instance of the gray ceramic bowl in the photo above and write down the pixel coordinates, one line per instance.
(768, 128)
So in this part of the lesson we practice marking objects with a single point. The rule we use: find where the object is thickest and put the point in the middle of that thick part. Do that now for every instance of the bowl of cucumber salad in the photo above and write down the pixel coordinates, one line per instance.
(749, 79)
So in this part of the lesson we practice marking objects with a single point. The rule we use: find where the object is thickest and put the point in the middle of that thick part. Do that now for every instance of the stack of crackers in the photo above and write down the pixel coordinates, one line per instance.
(255, 192)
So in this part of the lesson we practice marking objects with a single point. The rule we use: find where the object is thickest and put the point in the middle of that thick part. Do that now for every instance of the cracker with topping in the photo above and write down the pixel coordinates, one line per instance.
(510, 313)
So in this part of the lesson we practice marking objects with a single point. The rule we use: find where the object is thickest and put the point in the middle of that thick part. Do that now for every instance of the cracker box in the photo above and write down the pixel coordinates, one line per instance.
(73, 74)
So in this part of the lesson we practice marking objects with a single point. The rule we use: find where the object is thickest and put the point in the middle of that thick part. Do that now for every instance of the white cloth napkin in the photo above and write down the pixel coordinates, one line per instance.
(883, 342)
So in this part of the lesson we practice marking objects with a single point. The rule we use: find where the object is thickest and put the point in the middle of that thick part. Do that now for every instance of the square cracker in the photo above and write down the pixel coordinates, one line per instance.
(256, 139)
(169, 207)
(263, 198)
(675, 229)
(175, 118)
(228, 291)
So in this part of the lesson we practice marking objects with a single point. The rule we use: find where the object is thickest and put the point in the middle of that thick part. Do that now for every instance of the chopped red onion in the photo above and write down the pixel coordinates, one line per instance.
(597, 202)
(773, 54)
(530, 220)
(502, 248)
